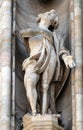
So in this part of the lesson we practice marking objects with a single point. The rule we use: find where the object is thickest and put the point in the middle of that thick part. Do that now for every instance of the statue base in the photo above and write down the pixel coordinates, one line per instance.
(41, 122)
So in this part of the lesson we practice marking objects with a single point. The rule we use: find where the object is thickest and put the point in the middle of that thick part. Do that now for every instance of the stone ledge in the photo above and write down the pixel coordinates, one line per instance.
(41, 122)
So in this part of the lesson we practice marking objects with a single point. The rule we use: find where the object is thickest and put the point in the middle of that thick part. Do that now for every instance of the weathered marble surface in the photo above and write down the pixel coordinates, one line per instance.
(64, 14)
(25, 14)
(46, 51)
(5, 65)
(43, 122)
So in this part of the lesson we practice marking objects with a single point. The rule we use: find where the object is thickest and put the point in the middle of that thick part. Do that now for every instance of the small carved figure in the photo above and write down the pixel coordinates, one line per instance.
(46, 49)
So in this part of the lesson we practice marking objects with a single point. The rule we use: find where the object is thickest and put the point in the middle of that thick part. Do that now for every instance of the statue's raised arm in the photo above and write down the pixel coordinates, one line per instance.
(30, 32)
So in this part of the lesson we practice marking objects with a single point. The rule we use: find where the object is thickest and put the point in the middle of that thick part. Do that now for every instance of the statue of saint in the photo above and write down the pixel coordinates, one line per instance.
(46, 50)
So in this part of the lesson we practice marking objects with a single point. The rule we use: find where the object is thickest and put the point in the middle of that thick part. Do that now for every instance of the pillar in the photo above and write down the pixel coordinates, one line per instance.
(0, 53)
(6, 64)
(78, 83)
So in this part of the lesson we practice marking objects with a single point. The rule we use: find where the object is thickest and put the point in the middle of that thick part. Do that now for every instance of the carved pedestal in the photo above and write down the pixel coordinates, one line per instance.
(41, 122)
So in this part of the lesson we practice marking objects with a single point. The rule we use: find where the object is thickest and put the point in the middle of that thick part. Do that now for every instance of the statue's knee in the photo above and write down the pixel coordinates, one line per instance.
(30, 81)
(45, 86)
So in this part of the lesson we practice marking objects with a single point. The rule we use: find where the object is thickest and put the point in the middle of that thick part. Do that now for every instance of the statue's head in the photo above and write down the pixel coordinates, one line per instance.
(48, 19)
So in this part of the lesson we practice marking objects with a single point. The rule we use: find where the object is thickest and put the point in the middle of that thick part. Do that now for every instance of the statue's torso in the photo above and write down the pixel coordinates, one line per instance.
(36, 43)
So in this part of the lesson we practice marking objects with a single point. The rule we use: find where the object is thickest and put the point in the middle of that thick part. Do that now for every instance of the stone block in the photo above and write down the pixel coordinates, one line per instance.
(41, 122)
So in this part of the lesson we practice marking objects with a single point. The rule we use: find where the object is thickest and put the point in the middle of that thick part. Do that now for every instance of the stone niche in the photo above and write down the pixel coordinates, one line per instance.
(26, 12)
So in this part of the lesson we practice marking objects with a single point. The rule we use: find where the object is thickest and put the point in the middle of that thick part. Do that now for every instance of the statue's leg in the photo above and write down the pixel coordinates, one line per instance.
(51, 98)
(46, 79)
(30, 81)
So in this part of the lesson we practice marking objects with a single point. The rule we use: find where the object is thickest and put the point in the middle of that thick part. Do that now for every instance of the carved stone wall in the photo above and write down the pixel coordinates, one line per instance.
(5, 63)
(0, 51)
(26, 11)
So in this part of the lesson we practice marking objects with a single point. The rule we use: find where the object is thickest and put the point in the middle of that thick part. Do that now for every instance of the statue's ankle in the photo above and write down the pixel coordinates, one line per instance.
(34, 112)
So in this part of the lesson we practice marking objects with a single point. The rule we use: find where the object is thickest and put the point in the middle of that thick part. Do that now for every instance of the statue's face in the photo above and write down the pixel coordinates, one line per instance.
(45, 21)
(48, 18)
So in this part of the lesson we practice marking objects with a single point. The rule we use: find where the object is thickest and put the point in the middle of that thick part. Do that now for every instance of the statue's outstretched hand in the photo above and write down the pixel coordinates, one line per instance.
(69, 61)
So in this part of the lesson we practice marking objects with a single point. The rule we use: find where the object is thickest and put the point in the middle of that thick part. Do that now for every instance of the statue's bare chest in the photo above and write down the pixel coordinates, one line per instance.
(35, 43)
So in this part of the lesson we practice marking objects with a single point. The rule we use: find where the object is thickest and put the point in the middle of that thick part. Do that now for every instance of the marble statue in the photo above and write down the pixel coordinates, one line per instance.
(46, 50)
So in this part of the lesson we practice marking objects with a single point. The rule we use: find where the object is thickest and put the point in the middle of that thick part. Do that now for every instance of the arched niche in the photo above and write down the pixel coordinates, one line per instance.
(26, 12)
